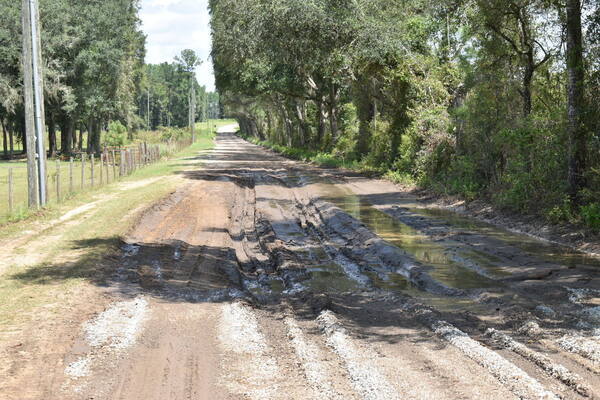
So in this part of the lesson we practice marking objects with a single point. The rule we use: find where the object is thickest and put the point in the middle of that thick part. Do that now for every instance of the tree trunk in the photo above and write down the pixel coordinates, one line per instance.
(527, 79)
(333, 115)
(94, 132)
(303, 125)
(321, 123)
(575, 88)
(5, 138)
(288, 126)
(52, 136)
(23, 140)
(66, 135)
(89, 136)
(11, 142)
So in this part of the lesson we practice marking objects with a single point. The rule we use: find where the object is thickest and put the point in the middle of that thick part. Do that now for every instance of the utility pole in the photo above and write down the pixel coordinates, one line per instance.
(34, 105)
(32, 178)
(38, 88)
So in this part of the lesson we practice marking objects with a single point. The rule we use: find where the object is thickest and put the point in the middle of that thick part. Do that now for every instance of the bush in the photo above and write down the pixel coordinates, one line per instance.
(590, 215)
(168, 133)
(116, 135)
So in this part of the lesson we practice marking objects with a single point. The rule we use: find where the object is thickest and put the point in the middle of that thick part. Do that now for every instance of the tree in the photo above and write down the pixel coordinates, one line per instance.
(463, 96)
(519, 24)
(575, 89)
(189, 61)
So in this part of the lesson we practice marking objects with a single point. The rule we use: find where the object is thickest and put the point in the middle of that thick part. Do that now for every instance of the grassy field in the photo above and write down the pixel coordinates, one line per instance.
(62, 170)
(69, 255)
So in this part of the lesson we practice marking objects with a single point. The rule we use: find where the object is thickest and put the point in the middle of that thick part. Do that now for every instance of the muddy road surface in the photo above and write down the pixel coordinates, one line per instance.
(265, 278)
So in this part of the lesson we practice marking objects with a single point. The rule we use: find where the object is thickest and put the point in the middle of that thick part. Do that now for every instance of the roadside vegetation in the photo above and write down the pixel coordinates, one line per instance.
(489, 100)
(165, 138)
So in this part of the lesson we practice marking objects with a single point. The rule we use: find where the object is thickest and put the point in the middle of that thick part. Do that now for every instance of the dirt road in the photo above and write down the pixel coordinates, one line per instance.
(264, 278)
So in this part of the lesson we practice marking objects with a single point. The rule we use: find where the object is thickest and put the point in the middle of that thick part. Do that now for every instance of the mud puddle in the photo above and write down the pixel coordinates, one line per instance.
(546, 251)
(418, 246)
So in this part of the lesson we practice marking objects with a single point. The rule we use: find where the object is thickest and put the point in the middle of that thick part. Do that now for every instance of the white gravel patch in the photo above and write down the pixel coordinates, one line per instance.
(592, 314)
(531, 329)
(316, 373)
(577, 296)
(364, 374)
(514, 378)
(118, 326)
(557, 371)
(79, 368)
(251, 372)
(109, 333)
(586, 347)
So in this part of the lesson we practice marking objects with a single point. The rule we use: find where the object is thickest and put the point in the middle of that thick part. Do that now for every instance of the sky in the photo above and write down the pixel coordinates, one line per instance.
(175, 25)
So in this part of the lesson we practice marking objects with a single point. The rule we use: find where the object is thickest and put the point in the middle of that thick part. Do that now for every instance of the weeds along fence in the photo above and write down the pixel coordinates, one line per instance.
(78, 173)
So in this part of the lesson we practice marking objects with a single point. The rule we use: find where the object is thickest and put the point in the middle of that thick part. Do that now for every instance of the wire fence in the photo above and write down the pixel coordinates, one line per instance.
(78, 173)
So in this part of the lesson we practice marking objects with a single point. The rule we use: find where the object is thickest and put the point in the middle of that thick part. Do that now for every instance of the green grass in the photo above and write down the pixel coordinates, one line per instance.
(19, 170)
(329, 160)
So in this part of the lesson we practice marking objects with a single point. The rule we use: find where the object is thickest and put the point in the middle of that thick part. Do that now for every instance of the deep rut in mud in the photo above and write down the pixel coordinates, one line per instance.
(268, 278)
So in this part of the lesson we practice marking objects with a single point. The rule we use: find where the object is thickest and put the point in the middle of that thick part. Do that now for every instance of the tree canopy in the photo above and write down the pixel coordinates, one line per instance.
(463, 96)
(94, 72)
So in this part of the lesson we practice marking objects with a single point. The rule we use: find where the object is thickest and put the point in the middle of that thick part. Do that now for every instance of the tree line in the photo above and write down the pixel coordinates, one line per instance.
(165, 96)
(94, 73)
(481, 98)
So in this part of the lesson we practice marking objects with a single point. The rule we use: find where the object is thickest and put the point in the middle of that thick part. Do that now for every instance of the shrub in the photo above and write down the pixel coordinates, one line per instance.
(116, 135)
(590, 215)
(169, 133)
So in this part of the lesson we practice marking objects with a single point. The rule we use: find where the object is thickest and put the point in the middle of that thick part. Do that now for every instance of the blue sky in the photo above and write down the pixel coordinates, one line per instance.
(174, 25)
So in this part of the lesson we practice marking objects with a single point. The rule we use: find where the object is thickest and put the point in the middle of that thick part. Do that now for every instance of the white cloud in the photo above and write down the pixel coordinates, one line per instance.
(174, 25)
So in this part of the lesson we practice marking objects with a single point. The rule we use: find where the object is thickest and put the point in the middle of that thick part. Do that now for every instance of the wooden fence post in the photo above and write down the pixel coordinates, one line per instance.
(106, 167)
(58, 181)
(92, 163)
(146, 153)
(121, 172)
(82, 170)
(114, 165)
(101, 169)
(10, 192)
(71, 175)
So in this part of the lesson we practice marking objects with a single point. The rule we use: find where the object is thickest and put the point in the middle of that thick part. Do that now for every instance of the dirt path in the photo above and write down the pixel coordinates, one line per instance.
(263, 278)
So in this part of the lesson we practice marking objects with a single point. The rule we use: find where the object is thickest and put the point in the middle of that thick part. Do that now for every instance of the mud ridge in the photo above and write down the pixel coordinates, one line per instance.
(555, 370)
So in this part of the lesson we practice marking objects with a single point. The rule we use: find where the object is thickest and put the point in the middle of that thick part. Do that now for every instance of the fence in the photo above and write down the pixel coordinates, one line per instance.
(81, 172)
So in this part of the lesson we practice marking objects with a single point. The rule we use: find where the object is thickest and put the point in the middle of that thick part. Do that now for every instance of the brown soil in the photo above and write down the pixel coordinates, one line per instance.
(266, 278)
